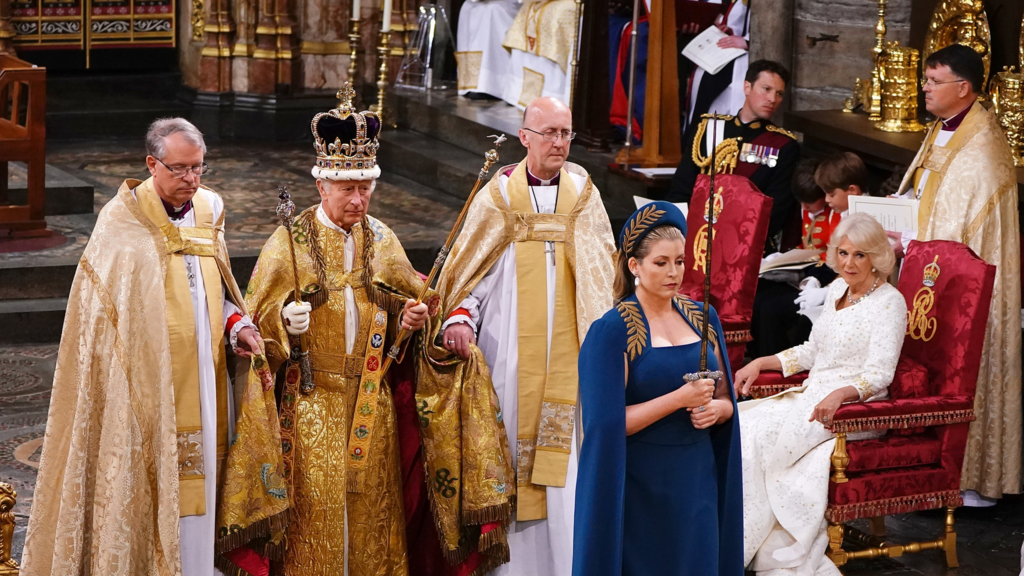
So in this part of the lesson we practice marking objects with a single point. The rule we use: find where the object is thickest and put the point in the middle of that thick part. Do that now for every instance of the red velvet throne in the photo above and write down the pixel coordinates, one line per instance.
(740, 230)
(916, 465)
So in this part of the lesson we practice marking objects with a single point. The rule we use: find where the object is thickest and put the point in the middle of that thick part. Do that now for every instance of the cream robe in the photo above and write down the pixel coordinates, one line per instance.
(539, 547)
(976, 203)
(483, 61)
(197, 533)
(546, 70)
(786, 458)
(108, 475)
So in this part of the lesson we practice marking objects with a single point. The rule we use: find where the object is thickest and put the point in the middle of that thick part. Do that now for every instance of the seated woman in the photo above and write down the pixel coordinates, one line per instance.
(658, 490)
(851, 355)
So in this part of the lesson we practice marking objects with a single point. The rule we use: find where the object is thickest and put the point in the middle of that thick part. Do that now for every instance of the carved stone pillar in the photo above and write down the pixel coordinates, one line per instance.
(7, 33)
(771, 38)
(215, 63)
(325, 44)
(272, 67)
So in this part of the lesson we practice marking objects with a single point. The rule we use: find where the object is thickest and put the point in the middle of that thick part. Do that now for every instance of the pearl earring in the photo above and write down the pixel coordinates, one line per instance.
(636, 281)
(873, 270)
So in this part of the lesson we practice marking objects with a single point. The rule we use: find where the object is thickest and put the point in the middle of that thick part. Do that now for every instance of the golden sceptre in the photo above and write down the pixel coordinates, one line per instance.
(285, 211)
(705, 332)
(490, 157)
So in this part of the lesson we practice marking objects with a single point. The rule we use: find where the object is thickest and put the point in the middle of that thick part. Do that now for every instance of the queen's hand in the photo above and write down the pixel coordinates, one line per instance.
(746, 376)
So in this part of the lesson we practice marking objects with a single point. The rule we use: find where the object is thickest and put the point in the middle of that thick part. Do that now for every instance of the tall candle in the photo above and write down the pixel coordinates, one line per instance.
(386, 17)
(355, 10)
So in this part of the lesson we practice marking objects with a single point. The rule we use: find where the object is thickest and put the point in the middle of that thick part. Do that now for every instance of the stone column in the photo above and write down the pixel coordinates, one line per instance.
(324, 43)
(215, 64)
(771, 38)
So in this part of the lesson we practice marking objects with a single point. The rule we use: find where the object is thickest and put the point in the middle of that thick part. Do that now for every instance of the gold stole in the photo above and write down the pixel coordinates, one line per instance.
(198, 241)
(937, 158)
(547, 392)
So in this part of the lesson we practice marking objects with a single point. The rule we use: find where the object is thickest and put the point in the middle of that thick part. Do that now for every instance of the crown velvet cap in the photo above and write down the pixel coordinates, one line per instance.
(647, 218)
(346, 141)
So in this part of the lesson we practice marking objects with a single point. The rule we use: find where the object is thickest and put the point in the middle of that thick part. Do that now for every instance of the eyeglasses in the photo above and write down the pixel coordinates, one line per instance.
(925, 82)
(181, 171)
(552, 135)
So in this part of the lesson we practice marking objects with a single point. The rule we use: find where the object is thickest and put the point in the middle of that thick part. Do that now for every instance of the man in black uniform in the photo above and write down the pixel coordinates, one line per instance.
(763, 152)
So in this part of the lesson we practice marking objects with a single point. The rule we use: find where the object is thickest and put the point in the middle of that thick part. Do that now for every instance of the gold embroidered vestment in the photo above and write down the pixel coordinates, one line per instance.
(324, 493)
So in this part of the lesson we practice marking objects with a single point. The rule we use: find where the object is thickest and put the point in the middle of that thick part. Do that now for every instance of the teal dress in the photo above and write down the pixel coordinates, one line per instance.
(668, 499)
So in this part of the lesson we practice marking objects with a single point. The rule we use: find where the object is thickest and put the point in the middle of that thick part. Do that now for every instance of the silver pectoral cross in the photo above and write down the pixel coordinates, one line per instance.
(191, 274)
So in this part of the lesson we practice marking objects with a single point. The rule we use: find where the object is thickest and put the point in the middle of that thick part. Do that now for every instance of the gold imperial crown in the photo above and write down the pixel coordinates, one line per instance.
(346, 141)
(931, 273)
(719, 206)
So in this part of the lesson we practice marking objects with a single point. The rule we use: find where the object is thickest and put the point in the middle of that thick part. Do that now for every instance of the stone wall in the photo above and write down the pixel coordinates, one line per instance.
(823, 74)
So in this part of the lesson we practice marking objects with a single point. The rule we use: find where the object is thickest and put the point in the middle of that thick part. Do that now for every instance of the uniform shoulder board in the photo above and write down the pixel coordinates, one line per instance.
(783, 131)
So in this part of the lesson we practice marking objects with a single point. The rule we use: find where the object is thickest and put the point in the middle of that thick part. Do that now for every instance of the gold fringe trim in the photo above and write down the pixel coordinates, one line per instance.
(766, 390)
(738, 336)
(903, 421)
(888, 506)
(499, 513)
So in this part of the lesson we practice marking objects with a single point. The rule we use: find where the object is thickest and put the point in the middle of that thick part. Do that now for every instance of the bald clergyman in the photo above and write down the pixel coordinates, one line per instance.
(530, 271)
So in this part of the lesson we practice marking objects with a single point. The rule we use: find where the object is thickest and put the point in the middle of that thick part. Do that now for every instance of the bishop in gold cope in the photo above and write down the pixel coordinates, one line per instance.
(335, 479)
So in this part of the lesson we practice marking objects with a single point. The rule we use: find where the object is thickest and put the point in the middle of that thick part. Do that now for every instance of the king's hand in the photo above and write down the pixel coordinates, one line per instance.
(414, 316)
(296, 318)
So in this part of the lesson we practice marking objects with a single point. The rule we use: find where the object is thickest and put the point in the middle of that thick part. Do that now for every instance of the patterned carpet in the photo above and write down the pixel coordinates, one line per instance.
(247, 176)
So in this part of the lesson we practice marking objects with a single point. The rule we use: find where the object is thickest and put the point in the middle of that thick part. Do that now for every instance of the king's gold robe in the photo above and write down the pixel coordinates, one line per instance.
(970, 196)
(338, 491)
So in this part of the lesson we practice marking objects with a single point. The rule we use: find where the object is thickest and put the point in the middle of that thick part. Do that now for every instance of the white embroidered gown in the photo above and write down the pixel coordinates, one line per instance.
(786, 458)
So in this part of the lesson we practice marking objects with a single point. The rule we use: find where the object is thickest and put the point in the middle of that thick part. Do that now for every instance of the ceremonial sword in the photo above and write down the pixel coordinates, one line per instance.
(705, 330)
(490, 157)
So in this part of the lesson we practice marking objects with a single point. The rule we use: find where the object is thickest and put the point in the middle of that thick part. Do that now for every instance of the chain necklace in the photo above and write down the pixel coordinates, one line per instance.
(849, 291)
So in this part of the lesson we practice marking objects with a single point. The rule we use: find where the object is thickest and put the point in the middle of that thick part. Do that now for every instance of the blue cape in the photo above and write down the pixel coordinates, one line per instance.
(597, 541)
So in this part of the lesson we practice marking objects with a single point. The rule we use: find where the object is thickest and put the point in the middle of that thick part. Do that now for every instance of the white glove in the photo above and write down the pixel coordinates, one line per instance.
(296, 318)
(811, 294)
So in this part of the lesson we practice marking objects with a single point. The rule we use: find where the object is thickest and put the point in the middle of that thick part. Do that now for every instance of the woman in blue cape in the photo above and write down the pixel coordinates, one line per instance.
(659, 489)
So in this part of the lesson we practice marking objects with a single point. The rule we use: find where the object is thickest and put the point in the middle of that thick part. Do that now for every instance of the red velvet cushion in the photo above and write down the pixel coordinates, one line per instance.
(959, 313)
(903, 407)
(910, 381)
(893, 452)
(740, 233)
(868, 486)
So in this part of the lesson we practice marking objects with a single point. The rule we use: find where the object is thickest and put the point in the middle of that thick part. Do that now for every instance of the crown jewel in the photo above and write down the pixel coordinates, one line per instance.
(719, 205)
(346, 141)
(931, 273)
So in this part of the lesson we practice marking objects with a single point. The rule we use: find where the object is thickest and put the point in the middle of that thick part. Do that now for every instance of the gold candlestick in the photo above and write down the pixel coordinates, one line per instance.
(353, 48)
(873, 106)
(383, 50)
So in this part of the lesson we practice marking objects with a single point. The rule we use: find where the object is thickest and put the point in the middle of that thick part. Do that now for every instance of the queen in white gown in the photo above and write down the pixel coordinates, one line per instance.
(851, 355)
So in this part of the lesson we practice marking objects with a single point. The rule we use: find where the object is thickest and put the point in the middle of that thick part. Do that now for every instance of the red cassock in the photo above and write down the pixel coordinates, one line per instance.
(740, 229)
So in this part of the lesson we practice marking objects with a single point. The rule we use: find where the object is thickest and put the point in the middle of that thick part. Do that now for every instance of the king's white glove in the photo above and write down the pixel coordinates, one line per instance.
(812, 294)
(296, 318)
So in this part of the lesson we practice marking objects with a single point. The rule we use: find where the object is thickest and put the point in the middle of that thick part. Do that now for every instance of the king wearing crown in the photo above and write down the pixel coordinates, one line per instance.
(316, 488)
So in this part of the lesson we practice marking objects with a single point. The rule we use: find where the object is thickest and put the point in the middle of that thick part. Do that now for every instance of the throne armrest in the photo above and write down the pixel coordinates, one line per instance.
(772, 382)
(902, 414)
